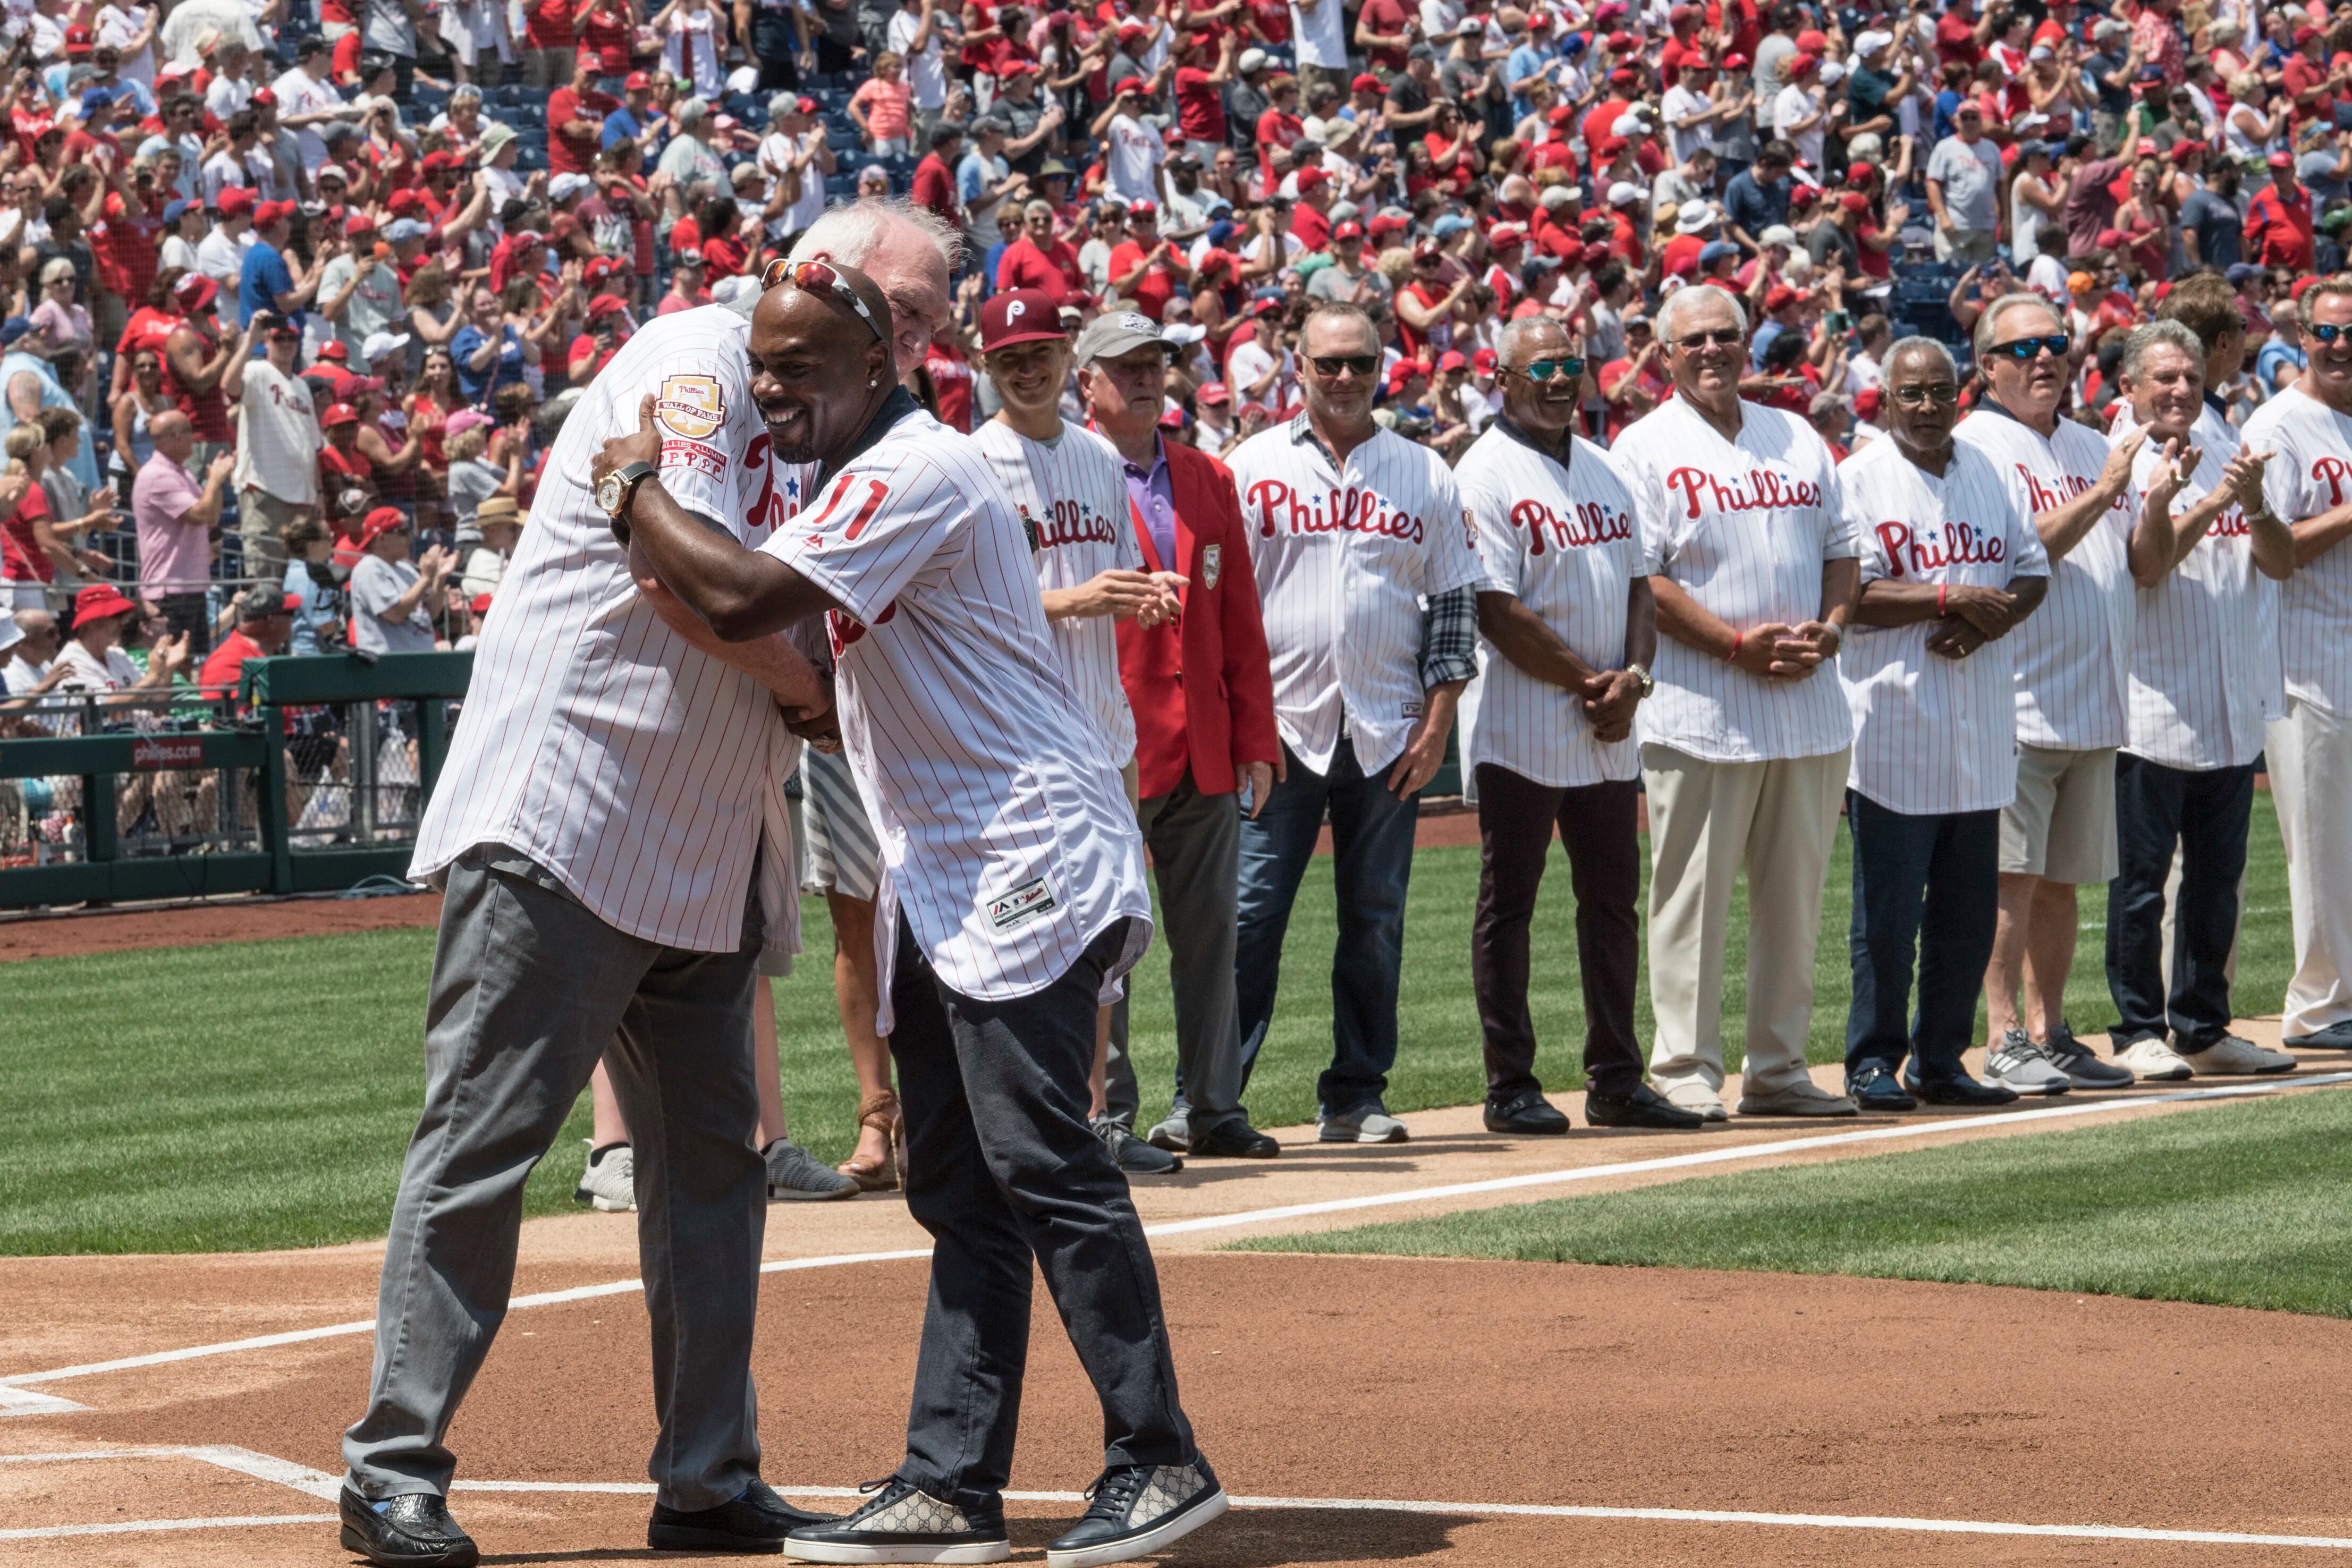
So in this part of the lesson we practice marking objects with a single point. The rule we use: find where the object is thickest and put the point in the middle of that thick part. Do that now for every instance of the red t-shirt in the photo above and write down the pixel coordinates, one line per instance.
(1677, 54)
(1267, 20)
(1392, 18)
(609, 35)
(126, 246)
(567, 153)
(585, 344)
(1200, 110)
(1056, 273)
(1956, 40)
(673, 302)
(1597, 121)
(935, 187)
(207, 410)
(951, 380)
(724, 257)
(1153, 290)
(1464, 172)
(1313, 229)
(225, 667)
(147, 329)
(550, 25)
(21, 560)
(2300, 75)
(1275, 129)
(346, 66)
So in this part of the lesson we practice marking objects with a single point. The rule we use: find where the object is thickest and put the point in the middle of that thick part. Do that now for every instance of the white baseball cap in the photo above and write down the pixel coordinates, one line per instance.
(1625, 193)
(379, 344)
(10, 633)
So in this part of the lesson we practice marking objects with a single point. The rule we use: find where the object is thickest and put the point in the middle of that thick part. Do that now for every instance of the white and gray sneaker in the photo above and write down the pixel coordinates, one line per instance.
(2080, 1065)
(610, 1182)
(2231, 1055)
(904, 1524)
(2154, 1062)
(1135, 1510)
(1365, 1124)
(2018, 1063)
(795, 1176)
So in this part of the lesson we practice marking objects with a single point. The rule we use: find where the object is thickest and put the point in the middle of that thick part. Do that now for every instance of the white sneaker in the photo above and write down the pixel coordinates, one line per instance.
(1369, 1124)
(2020, 1064)
(1693, 1094)
(610, 1182)
(2153, 1062)
(2229, 1054)
(1801, 1097)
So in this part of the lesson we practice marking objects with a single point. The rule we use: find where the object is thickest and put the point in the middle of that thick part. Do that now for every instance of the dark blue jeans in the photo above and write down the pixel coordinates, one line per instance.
(2205, 815)
(1371, 841)
(1930, 883)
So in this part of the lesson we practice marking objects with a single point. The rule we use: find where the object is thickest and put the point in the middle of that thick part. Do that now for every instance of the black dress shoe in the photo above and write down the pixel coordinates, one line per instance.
(1528, 1113)
(411, 1530)
(1874, 1087)
(1958, 1089)
(1645, 1107)
(757, 1521)
(1235, 1140)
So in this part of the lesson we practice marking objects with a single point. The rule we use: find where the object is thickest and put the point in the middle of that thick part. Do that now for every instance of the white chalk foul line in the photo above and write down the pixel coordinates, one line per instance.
(143, 1526)
(1923, 1127)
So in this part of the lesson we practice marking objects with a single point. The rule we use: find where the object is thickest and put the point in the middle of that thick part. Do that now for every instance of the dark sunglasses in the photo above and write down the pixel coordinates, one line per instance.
(2026, 350)
(1568, 365)
(1332, 364)
(2325, 332)
(813, 275)
(1721, 338)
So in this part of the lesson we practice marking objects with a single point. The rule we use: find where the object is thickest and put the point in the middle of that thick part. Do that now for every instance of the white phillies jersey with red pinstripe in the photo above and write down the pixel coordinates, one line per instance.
(2311, 473)
(1744, 527)
(1006, 836)
(1345, 553)
(1562, 540)
(636, 768)
(1071, 496)
(1933, 735)
(2072, 655)
(2201, 669)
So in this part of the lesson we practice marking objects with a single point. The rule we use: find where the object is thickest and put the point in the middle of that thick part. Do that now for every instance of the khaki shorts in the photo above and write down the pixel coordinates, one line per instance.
(2061, 826)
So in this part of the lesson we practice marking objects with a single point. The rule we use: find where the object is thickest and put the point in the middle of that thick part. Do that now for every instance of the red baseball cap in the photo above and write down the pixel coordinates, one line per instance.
(2282, 159)
(1801, 63)
(383, 519)
(1367, 82)
(194, 292)
(343, 413)
(1213, 392)
(1143, 210)
(1865, 403)
(1485, 359)
(1128, 84)
(1452, 360)
(1858, 174)
(1813, 41)
(270, 212)
(358, 224)
(99, 601)
(636, 81)
(607, 304)
(263, 97)
(78, 41)
(1309, 179)
(334, 349)
(1503, 236)
(1780, 296)
(1021, 316)
(1349, 230)
(1804, 196)
(480, 604)
(1735, 61)
(1854, 201)
(234, 200)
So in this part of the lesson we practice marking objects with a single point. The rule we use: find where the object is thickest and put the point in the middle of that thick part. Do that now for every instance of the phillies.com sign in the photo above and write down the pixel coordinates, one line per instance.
(156, 751)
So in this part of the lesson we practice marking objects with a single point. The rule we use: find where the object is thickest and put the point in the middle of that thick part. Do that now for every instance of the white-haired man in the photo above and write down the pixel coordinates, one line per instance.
(2072, 660)
(2199, 679)
(2309, 484)
(1745, 746)
(1950, 564)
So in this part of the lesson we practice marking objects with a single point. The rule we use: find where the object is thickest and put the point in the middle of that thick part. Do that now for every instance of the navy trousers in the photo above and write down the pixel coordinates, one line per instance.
(1925, 883)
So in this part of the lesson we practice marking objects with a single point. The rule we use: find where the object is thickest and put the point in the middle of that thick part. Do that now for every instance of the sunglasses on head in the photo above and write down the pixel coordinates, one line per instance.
(1568, 365)
(2025, 351)
(1332, 364)
(815, 275)
(2325, 332)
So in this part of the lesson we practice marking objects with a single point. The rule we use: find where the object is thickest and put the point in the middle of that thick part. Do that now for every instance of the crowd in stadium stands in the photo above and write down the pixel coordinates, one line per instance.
(292, 306)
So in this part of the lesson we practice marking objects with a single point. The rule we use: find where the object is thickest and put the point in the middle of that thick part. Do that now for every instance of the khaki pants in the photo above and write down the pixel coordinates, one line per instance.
(1709, 821)
(2310, 755)
(547, 68)
(262, 520)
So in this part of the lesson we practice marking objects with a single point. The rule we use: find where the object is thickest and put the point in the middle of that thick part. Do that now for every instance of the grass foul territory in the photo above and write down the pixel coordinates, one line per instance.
(2238, 1205)
(259, 1096)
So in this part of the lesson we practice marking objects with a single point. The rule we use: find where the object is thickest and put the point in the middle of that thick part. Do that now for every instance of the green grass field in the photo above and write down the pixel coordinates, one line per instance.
(259, 1095)
(2238, 1206)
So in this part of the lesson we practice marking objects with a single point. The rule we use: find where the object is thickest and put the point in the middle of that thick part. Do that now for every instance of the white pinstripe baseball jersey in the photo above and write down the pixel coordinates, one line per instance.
(1933, 735)
(1563, 543)
(1344, 553)
(1006, 836)
(2201, 669)
(1071, 496)
(2311, 474)
(1744, 527)
(636, 768)
(2072, 655)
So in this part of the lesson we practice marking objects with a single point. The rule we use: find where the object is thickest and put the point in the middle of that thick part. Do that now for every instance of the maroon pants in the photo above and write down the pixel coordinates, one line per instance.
(1596, 827)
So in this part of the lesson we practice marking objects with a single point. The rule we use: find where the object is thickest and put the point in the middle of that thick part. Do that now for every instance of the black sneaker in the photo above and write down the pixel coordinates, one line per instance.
(757, 1521)
(411, 1530)
(2082, 1069)
(904, 1524)
(1138, 1509)
(1135, 1156)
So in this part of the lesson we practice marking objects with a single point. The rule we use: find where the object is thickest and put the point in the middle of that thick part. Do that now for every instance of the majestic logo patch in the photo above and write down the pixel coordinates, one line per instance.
(1025, 903)
(690, 406)
(1212, 564)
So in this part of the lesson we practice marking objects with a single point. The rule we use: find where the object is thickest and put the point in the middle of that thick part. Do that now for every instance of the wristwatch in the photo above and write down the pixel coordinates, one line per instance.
(614, 491)
(1641, 673)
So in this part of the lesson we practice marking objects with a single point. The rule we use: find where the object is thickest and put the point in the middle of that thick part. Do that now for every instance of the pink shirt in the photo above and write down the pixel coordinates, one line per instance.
(170, 553)
(889, 108)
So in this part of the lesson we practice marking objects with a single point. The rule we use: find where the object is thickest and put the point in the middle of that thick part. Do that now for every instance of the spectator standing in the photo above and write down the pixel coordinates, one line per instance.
(2308, 483)
(2279, 220)
(391, 596)
(358, 292)
(265, 282)
(1364, 697)
(914, 33)
(1568, 630)
(1965, 180)
(178, 519)
(277, 443)
(1745, 752)
(934, 186)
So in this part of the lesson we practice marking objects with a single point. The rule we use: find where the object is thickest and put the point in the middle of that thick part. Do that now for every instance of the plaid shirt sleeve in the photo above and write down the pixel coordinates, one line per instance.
(1449, 637)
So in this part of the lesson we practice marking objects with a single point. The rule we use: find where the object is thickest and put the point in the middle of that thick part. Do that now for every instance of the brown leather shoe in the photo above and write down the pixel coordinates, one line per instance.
(880, 1112)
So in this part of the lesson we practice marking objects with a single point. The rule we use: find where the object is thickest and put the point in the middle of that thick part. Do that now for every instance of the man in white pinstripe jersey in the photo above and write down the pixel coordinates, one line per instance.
(1350, 528)
(1950, 565)
(1745, 742)
(1012, 900)
(611, 835)
(2309, 484)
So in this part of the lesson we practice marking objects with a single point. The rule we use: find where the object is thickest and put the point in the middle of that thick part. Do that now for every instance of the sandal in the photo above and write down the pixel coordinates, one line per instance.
(880, 1112)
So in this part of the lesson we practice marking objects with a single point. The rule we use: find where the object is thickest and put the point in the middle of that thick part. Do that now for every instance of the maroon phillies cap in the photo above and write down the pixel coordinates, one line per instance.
(1023, 316)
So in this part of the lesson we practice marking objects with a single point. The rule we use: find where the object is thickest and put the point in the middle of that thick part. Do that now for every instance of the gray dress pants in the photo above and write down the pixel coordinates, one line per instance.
(1195, 843)
(529, 990)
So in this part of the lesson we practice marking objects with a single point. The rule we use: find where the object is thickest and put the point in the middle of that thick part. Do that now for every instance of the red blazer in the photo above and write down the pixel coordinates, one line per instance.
(1219, 638)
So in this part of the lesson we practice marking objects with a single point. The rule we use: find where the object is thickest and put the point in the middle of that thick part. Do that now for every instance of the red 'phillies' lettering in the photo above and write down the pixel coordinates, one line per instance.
(1073, 524)
(1351, 510)
(1762, 490)
(877, 493)
(841, 631)
(2230, 525)
(758, 518)
(2332, 472)
(2068, 485)
(1594, 524)
(1962, 544)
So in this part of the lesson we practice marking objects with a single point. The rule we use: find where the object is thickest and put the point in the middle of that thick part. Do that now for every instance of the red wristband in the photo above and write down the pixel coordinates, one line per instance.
(1940, 589)
(1737, 638)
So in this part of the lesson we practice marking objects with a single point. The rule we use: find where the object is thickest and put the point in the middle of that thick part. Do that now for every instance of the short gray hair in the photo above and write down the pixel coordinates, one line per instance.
(1918, 345)
(1039, 205)
(1988, 324)
(851, 234)
(2307, 308)
(1507, 346)
(1682, 299)
(2142, 338)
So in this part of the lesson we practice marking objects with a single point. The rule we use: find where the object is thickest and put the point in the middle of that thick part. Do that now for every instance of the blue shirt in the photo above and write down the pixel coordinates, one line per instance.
(623, 125)
(1754, 206)
(477, 385)
(1766, 331)
(1525, 61)
(265, 277)
(1154, 500)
